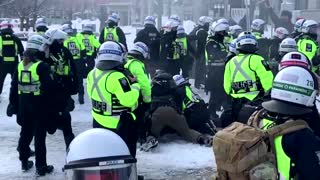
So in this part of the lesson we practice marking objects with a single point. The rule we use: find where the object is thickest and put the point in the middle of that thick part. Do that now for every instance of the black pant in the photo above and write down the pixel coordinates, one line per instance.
(33, 124)
(81, 70)
(214, 84)
(127, 130)
(6, 68)
(65, 125)
(89, 65)
(200, 71)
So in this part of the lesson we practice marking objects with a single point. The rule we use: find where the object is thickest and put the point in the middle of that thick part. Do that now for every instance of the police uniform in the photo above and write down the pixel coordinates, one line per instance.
(29, 94)
(310, 48)
(113, 33)
(201, 40)
(182, 51)
(91, 44)
(216, 53)
(63, 70)
(78, 51)
(113, 101)
(246, 78)
(11, 47)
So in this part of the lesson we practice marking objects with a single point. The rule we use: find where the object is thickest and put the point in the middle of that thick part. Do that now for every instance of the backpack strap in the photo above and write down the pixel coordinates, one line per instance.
(255, 118)
(283, 129)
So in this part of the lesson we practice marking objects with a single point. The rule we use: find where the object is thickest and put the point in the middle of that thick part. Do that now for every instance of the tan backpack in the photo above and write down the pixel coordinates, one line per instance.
(244, 152)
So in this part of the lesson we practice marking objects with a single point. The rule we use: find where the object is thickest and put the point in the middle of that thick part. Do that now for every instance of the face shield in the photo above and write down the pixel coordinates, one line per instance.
(124, 169)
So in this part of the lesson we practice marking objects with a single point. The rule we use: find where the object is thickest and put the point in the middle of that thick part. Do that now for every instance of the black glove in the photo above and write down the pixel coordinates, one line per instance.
(70, 105)
(11, 110)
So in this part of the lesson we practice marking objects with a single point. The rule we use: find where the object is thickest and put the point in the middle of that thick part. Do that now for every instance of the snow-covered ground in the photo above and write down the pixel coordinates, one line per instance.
(171, 160)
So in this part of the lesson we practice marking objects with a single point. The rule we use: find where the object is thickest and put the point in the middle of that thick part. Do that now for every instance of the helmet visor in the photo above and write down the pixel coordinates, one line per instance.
(115, 172)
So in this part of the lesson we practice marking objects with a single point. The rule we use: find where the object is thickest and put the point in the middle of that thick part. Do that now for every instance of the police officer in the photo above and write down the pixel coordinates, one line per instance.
(234, 32)
(114, 97)
(200, 33)
(279, 35)
(41, 26)
(247, 78)
(194, 108)
(167, 47)
(64, 72)
(151, 37)
(78, 50)
(91, 44)
(308, 45)
(183, 52)
(112, 32)
(135, 64)
(29, 99)
(11, 47)
(216, 53)
(232, 50)
(297, 29)
(296, 152)
(257, 28)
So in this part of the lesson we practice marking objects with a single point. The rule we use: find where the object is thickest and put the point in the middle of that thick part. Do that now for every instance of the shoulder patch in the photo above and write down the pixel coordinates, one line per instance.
(125, 84)
(309, 47)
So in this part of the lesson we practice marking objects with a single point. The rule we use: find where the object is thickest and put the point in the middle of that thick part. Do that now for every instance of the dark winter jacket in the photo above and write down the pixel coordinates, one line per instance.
(151, 37)
(166, 45)
(65, 85)
(7, 34)
(120, 33)
(26, 103)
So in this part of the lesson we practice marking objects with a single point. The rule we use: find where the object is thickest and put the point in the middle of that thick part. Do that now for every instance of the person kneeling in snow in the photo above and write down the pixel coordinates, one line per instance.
(194, 108)
(166, 111)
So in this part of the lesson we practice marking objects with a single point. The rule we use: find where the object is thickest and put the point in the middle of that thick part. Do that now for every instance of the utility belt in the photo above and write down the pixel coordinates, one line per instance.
(216, 63)
(29, 88)
(102, 108)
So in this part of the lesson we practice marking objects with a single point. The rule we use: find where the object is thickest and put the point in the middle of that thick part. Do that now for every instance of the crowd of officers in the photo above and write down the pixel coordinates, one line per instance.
(236, 72)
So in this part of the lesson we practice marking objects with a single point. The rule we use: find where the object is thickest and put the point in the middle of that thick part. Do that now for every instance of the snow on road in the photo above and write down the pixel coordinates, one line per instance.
(171, 160)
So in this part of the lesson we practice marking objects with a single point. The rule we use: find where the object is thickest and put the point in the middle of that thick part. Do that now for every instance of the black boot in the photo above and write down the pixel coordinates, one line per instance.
(81, 99)
(44, 170)
(26, 165)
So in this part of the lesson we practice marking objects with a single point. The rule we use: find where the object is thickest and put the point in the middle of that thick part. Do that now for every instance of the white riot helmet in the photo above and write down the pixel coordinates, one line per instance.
(55, 34)
(110, 55)
(41, 22)
(67, 28)
(170, 26)
(140, 48)
(218, 27)
(203, 20)
(179, 79)
(287, 45)
(298, 25)
(99, 154)
(223, 20)
(258, 25)
(247, 42)
(294, 59)
(181, 32)
(87, 28)
(175, 18)
(233, 46)
(37, 42)
(235, 30)
(150, 20)
(5, 25)
(293, 92)
(281, 33)
(310, 27)
(114, 17)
